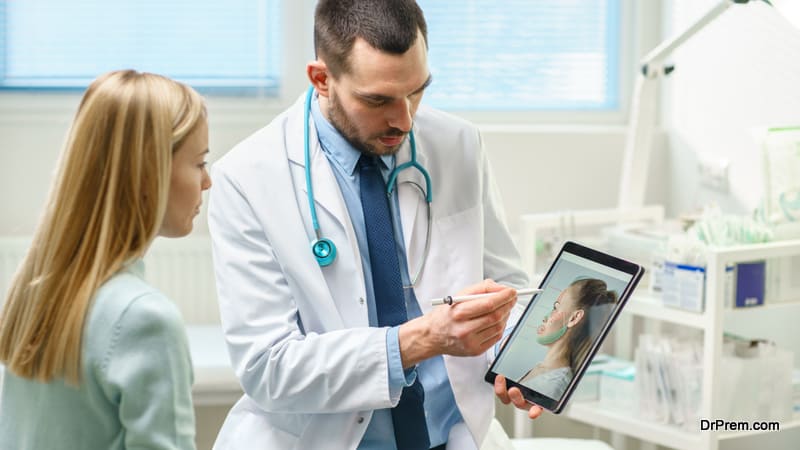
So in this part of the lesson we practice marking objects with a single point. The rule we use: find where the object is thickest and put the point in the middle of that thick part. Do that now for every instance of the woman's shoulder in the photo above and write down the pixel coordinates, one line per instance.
(127, 304)
(127, 290)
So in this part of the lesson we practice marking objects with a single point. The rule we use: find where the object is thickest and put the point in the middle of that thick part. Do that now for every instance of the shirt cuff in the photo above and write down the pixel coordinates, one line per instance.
(398, 377)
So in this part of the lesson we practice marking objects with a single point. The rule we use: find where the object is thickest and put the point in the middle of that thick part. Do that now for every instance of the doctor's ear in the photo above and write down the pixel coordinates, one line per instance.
(317, 72)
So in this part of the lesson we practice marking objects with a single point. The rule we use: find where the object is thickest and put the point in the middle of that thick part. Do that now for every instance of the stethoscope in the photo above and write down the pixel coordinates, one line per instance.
(324, 249)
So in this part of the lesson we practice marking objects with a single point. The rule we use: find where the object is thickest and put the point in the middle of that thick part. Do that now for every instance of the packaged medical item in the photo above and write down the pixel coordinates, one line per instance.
(750, 283)
(668, 380)
(618, 388)
(589, 387)
(757, 385)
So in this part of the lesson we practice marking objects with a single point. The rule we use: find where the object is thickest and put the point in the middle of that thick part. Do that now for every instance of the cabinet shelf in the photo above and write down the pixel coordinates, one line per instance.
(596, 414)
(650, 306)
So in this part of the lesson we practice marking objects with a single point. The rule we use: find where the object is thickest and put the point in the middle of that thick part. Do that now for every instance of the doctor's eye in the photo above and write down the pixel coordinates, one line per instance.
(374, 103)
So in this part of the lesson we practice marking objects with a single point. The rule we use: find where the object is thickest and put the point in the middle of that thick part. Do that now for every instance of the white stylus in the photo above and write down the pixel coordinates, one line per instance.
(449, 300)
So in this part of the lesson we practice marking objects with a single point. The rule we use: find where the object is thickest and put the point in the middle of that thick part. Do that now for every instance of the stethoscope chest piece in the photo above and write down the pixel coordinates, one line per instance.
(324, 251)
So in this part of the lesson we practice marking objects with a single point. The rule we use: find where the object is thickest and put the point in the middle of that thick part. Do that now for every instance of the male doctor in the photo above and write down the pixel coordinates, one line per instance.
(337, 347)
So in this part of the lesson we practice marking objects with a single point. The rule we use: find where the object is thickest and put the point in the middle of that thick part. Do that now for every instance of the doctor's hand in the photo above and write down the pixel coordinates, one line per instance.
(463, 329)
(514, 395)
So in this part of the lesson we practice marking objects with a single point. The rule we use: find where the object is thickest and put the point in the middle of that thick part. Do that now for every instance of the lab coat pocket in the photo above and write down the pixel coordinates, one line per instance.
(457, 248)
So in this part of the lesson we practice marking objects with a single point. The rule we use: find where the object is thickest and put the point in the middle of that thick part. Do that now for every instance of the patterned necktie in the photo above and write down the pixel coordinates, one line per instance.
(408, 417)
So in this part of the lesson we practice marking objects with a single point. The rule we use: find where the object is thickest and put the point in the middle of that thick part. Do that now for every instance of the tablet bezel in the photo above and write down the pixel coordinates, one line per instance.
(635, 270)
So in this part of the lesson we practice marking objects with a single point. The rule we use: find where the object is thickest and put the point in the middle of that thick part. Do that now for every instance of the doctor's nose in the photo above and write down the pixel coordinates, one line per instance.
(400, 116)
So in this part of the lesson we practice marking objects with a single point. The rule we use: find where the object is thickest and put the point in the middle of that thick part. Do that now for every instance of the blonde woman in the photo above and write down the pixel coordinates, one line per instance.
(94, 357)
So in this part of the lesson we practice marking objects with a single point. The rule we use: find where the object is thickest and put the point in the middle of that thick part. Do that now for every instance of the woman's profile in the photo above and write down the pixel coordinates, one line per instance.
(94, 357)
(567, 332)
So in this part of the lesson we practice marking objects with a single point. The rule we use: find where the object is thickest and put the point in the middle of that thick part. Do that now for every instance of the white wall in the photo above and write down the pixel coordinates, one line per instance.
(740, 72)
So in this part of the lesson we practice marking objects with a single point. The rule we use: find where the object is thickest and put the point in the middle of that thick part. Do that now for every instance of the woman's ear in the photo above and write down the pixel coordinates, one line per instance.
(318, 75)
(575, 318)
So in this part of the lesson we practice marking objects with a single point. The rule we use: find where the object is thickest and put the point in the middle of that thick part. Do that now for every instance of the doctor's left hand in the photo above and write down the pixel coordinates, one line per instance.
(514, 395)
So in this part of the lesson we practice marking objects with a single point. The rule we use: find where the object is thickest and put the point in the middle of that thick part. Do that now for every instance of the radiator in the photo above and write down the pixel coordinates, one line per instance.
(180, 268)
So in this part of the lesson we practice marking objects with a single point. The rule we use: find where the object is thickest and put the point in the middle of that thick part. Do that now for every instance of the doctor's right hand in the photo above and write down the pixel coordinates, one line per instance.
(463, 329)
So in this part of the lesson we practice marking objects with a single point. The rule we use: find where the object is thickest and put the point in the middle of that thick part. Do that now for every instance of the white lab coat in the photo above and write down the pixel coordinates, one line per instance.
(312, 368)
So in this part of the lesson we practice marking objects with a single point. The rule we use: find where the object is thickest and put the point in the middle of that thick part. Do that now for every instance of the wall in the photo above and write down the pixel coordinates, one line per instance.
(739, 73)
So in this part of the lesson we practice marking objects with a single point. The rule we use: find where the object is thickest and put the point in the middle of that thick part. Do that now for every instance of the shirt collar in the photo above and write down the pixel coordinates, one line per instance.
(335, 145)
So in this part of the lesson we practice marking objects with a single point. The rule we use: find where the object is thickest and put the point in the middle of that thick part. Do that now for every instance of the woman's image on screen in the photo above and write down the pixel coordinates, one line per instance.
(567, 331)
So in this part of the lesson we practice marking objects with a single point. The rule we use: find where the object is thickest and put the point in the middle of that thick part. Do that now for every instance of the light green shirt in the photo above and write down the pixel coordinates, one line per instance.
(135, 391)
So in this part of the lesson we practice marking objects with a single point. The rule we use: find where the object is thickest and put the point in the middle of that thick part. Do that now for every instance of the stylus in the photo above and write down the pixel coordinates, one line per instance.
(449, 300)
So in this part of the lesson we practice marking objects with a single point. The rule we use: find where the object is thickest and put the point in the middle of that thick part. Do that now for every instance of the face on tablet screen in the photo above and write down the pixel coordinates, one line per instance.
(558, 329)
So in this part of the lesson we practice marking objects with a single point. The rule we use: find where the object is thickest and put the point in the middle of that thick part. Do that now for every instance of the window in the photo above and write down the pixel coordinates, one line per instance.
(529, 55)
(212, 45)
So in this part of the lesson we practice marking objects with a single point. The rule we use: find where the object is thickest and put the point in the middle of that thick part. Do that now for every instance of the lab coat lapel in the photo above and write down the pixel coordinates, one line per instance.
(326, 189)
(413, 212)
(346, 285)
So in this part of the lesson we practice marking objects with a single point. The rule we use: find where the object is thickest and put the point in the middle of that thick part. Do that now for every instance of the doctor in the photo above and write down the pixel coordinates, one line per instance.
(323, 278)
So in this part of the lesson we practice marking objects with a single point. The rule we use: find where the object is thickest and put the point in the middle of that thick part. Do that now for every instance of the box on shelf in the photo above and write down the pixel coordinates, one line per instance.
(589, 387)
(750, 283)
(762, 374)
(617, 388)
(683, 285)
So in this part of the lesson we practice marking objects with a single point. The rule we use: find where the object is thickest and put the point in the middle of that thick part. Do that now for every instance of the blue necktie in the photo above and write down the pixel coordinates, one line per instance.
(408, 417)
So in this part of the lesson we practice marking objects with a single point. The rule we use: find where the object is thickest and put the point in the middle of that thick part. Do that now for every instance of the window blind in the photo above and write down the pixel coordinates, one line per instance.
(524, 54)
(208, 44)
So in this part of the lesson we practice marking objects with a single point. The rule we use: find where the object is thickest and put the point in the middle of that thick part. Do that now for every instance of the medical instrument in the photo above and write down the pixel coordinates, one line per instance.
(450, 300)
(324, 249)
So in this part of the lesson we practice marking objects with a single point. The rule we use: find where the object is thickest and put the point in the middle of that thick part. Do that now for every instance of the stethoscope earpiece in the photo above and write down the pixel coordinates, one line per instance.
(324, 250)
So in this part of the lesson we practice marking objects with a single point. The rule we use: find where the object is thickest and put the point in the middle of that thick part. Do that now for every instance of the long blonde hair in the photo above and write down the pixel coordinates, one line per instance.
(105, 207)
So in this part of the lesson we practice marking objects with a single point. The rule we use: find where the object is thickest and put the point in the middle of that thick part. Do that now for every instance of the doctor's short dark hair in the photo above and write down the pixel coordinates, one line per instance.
(387, 25)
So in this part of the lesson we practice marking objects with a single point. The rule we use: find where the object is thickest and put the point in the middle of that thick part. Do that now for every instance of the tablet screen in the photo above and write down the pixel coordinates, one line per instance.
(564, 324)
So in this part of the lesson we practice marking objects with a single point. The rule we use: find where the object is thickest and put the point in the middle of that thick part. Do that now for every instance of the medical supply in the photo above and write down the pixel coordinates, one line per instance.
(668, 379)
(781, 171)
(618, 388)
(589, 387)
(721, 230)
(449, 300)
(758, 381)
(324, 249)
(750, 283)
(683, 286)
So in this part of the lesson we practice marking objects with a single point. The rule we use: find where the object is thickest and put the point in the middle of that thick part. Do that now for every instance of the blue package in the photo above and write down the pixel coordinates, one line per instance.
(750, 279)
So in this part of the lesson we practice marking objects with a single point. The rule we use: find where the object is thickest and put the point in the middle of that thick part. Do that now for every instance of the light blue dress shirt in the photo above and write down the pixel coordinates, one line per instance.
(440, 404)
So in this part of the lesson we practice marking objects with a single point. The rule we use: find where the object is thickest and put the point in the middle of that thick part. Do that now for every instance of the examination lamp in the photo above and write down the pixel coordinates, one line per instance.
(644, 100)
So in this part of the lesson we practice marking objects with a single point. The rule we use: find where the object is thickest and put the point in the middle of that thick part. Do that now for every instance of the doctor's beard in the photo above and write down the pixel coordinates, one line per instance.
(347, 128)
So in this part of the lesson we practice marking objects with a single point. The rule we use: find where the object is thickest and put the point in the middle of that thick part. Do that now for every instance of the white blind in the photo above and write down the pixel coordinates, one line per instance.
(206, 43)
(524, 54)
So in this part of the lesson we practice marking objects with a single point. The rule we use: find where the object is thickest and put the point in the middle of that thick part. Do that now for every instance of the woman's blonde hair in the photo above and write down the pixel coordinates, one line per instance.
(105, 207)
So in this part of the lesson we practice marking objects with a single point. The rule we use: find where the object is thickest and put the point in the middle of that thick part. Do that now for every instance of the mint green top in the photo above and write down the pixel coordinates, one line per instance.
(135, 391)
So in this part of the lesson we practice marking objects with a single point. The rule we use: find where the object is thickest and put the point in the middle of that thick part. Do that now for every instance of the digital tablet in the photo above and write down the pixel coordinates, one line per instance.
(562, 327)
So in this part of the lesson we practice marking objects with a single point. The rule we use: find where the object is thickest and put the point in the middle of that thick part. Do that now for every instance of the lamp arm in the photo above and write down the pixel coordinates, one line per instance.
(644, 102)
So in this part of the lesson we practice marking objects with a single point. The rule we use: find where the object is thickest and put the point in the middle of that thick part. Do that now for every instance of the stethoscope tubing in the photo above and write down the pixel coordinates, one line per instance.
(325, 243)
